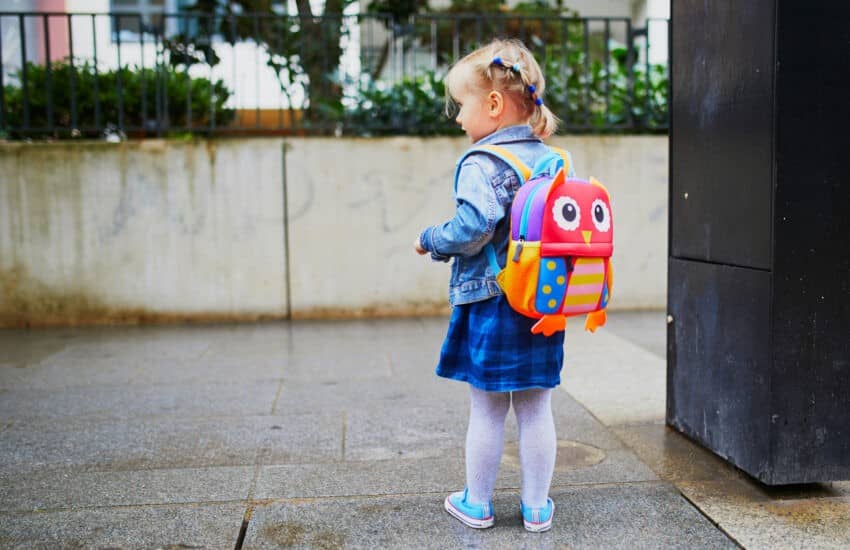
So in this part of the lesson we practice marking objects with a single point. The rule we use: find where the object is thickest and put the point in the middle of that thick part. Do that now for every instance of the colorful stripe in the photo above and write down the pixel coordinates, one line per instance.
(588, 279)
(585, 287)
(583, 266)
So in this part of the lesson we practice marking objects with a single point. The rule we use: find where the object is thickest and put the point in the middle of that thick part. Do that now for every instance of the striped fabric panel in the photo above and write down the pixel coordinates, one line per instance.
(585, 286)
(588, 290)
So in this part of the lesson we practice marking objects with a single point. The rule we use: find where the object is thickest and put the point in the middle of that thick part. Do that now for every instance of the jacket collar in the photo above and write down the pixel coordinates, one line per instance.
(521, 132)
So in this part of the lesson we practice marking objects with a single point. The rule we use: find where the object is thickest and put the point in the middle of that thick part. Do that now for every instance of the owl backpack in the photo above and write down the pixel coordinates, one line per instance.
(562, 237)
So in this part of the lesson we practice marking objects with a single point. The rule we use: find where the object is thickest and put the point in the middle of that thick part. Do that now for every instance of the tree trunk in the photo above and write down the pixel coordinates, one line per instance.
(320, 47)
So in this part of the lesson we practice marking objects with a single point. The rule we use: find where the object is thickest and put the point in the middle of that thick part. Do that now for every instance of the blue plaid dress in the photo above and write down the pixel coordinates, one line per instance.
(490, 346)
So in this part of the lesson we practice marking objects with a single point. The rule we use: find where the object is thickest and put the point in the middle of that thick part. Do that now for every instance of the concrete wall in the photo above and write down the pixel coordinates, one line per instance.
(245, 229)
(145, 231)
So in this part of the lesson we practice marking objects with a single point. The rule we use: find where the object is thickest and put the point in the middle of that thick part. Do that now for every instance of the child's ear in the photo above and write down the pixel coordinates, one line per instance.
(495, 103)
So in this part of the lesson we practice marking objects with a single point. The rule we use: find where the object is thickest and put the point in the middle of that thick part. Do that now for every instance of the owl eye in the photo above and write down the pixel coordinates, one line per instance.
(566, 213)
(601, 216)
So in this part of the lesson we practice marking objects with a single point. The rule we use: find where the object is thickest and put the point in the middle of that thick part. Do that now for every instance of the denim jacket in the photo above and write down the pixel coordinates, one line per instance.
(486, 186)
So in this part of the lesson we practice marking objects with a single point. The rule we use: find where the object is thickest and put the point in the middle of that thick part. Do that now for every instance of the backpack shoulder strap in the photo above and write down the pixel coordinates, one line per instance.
(501, 153)
(568, 160)
(523, 172)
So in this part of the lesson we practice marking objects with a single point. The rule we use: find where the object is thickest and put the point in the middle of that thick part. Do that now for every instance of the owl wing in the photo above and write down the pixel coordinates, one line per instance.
(609, 285)
(598, 318)
(551, 285)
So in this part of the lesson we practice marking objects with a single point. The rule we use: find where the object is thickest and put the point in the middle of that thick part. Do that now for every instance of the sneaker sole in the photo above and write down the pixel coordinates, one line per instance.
(536, 527)
(467, 520)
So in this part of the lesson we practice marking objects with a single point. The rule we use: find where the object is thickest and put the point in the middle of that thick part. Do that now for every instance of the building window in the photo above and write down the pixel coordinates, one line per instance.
(131, 17)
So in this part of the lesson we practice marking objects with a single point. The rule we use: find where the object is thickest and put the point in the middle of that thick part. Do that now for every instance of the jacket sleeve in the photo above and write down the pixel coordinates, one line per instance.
(478, 210)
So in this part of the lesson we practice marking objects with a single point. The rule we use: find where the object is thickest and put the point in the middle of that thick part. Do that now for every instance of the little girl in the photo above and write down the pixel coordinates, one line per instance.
(498, 90)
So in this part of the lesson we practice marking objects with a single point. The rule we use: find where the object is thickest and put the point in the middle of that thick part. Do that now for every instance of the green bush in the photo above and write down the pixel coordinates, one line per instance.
(100, 89)
(414, 106)
(594, 96)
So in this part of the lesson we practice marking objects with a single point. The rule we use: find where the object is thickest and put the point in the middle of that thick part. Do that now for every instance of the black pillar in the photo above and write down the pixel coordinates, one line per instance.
(758, 343)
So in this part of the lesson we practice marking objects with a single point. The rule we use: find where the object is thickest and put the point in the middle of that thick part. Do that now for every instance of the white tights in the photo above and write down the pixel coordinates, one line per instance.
(485, 440)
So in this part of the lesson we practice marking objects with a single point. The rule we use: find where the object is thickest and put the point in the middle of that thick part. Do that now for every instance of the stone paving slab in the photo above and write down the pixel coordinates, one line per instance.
(617, 381)
(648, 515)
(117, 344)
(673, 456)
(61, 376)
(18, 349)
(755, 515)
(813, 516)
(428, 475)
(171, 442)
(409, 433)
(322, 351)
(129, 402)
(69, 489)
(132, 436)
(645, 329)
(214, 526)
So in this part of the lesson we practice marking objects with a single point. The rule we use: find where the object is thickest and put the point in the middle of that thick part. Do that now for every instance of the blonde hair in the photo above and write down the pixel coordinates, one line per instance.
(512, 74)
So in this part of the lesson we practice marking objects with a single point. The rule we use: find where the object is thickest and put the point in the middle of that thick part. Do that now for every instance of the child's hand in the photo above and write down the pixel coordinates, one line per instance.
(417, 246)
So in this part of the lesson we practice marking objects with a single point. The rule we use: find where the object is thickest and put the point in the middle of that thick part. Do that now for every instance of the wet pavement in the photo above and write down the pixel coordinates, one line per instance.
(338, 435)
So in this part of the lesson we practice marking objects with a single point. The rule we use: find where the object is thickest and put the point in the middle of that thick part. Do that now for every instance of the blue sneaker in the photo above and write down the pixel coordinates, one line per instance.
(477, 516)
(538, 520)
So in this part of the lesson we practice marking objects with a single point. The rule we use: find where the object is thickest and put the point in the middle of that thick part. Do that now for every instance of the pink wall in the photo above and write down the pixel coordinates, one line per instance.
(57, 28)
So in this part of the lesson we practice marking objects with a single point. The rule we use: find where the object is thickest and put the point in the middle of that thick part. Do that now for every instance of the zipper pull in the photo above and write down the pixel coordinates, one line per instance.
(518, 250)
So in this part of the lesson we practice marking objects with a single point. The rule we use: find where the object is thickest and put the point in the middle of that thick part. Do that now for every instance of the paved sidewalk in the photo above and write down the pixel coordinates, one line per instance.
(338, 435)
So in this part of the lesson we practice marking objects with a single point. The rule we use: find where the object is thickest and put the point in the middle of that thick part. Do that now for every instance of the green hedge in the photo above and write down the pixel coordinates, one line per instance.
(93, 87)
(587, 95)
(574, 92)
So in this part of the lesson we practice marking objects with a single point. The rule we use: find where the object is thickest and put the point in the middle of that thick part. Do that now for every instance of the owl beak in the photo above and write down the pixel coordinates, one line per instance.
(586, 235)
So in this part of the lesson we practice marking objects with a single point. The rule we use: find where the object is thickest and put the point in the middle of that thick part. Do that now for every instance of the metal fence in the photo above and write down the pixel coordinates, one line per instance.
(133, 74)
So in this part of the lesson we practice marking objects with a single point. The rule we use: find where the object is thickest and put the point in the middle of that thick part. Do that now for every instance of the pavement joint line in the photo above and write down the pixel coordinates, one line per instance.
(243, 529)
(51, 421)
(390, 363)
(61, 468)
(344, 428)
(192, 503)
(258, 465)
(87, 469)
(501, 490)
(251, 502)
(640, 424)
(709, 518)
(252, 488)
(277, 396)
(206, 349)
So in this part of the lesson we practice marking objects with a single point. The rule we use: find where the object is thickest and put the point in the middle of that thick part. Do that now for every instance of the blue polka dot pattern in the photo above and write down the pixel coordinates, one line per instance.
(552, 278)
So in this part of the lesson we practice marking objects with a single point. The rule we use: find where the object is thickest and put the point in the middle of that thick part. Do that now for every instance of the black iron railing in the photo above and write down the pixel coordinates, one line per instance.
(136, 74)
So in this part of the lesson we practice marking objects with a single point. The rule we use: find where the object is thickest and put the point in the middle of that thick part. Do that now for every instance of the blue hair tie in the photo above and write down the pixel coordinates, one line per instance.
(516, 67)
(531, 88)
(538, 102)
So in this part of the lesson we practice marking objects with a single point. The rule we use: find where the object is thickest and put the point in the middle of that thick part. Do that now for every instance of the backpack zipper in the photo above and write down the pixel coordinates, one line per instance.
(523, 221)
